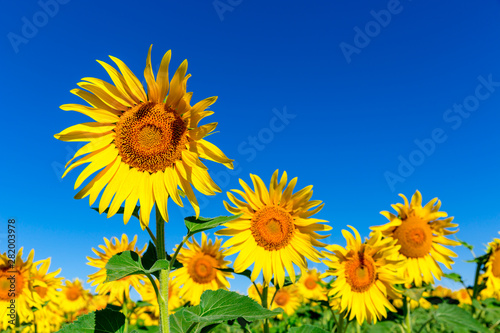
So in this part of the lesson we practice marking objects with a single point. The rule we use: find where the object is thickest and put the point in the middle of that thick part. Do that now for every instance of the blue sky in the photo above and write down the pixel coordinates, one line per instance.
(362, 100)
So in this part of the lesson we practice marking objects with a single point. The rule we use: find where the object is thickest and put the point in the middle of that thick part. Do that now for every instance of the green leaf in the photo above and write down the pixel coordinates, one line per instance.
(102, 321)
(217, 307)
(454, 276)
(414, 293)
(123, 264)
(149, 257)
(307, 329)
(382, 327)
(202, 223)
(129, 263)
(246, 272)
(456, 318)
(467, 245)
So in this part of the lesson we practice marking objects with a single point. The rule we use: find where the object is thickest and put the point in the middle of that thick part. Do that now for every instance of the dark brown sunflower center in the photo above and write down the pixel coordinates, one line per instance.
(202, 269)
(415, 237)
(495, 265)
(73, 293)
(360, 272)
(281, 298)
(272, 228)
(150, 137)
(310, 283)
(11, 285)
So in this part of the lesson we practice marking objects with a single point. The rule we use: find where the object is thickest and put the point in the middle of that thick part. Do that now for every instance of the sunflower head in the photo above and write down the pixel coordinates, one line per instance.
(45, 284)
(148, 142)
(492, 267)
(275, 229)
(287, 298)
(118, 290)
(366, 273)
(73, 298)
(310, 286)
(200, 269)
(16, 286)
(420, 231)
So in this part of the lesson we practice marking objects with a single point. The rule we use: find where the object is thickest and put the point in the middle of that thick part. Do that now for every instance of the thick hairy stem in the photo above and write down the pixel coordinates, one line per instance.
(164, 273)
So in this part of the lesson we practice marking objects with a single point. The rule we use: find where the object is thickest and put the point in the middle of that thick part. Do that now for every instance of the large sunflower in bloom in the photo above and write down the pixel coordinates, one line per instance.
(366, 273)
(421, 234)
(200, 271)
(492, 266)
(16, 288)
(147, 143)
(275, 230)
(120, 288)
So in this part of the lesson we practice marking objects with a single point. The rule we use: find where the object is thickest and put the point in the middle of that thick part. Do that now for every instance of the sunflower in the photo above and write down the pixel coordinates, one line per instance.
(200, 271)
(16, 289)
(441, 292)
(310, 286)
(120, 288)
(148, 143)
(148, 295)
(45, 284)
(365, 275)
(72, 297)
(420, 232)
(463, 296)
(287, 298)
(492, 268)
(275, 230)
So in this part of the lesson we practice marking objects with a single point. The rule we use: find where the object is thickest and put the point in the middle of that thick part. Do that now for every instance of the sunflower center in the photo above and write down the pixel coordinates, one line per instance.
(310, 283)
(272, 228)
(415, 237)
(202, 268)
(150, 137)
(41, 291)
(72, 293)
(360, 272)
(11, 285)
(281, 298)
(495, 266)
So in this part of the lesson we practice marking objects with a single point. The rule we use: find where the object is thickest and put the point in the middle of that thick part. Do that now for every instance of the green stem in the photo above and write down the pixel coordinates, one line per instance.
(425, 324)
(340, 327)
(358, 327)
(264, 304)
(125, 313)
(475, 290)
(334, 319)
(164, 274)
(174, 257)
(407, 307)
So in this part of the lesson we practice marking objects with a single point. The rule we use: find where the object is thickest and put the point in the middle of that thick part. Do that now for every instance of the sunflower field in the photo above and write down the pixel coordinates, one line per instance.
(145, 149)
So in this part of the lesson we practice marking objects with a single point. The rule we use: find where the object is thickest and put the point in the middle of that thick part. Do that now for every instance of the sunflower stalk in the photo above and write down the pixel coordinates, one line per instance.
(407, 310)
(265, 292)
(164, 273)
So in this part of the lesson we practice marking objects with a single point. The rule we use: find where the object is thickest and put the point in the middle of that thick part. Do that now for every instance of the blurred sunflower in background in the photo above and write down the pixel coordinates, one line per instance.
(17, 272)
(255, 292)
(492, 269)
(119, 290)
(366, 273)
(287, 298)
(45, 284)
(275, 230)
(310, 286)
(421, 235)
(147, 143)
(200, 271)
(72, 298)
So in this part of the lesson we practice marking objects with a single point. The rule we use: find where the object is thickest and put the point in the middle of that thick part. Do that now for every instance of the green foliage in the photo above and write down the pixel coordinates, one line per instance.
(215, 308)
(129, 263)
(414, 293)
(454, 276)
(102, 321)
(457, 318)
(195, 225)
(307, 329)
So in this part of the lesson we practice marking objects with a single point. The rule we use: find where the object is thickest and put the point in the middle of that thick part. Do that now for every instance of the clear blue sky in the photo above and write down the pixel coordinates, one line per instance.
(364, 100)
